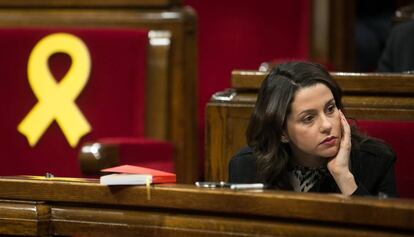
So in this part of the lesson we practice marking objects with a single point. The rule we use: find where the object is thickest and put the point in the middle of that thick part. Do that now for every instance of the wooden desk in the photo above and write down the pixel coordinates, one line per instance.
(49, 207)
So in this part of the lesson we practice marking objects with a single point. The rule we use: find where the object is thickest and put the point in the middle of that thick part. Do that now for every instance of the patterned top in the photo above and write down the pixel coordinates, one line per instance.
(304, 179)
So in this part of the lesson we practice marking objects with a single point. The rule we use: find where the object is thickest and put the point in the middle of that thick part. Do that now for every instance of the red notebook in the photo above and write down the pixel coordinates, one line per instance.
(124, 172)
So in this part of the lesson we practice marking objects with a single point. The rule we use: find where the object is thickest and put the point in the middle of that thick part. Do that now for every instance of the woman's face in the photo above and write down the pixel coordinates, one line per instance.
(313, 126)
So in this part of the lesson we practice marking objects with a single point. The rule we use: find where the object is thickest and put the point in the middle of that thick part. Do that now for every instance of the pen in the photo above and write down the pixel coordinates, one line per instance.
(247, 186)
(230, 185)
(212, 184)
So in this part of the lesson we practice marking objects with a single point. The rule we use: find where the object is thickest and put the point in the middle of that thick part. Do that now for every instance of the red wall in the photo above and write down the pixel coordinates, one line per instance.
(241, 35)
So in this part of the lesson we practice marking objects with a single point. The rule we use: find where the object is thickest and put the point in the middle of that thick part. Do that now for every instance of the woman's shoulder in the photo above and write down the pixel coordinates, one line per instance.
(374, 154)
(372, 164)
(242, 166)
(243, 157)
(377, 149)
(245, 151)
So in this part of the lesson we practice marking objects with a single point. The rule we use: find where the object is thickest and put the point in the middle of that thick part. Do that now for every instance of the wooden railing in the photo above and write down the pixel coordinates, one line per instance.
(50, 206)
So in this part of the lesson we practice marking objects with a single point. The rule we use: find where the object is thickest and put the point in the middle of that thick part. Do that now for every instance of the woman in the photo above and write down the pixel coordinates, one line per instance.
(298, 139)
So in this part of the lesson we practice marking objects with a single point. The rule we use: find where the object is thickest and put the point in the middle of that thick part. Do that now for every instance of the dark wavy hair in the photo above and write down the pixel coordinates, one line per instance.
(268, 120)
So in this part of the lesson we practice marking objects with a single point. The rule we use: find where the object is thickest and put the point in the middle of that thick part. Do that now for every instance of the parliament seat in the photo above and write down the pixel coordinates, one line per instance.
(68, 95)
(381, 104)
(141, 92)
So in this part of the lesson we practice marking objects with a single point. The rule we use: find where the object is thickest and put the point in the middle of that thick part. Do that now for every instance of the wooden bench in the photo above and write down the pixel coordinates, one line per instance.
(379, 102)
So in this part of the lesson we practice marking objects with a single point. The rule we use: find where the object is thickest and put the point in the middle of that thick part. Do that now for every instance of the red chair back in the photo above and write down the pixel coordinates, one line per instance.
(399, 135)
(111, 101)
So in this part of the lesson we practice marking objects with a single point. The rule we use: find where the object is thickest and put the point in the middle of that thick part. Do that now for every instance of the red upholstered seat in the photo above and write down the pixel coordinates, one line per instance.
(399, 134)
(112, 101)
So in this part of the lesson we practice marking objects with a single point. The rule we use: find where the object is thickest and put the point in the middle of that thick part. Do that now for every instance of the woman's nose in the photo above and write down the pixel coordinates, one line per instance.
(326, 124)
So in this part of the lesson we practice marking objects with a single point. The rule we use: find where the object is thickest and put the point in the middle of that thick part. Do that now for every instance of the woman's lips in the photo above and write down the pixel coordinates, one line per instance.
(329, 141)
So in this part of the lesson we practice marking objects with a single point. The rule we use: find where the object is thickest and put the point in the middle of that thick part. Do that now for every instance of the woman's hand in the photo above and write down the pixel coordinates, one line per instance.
(340, 163)
(338, 166)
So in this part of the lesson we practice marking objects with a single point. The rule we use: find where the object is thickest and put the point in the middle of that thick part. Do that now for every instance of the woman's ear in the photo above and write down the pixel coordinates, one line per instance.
(284, 138)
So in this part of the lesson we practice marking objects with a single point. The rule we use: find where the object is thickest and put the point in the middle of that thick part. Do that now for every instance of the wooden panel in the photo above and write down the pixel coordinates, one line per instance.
(225, 135)
(89, 3)
(375, 83)
(189, 199)
(332, 33)
(119, 222)
(157, 94)
(179, 125)
(24, 218)
(369, 96)
(182, 210)
(379, 107)
(366, 83)
(248, 80)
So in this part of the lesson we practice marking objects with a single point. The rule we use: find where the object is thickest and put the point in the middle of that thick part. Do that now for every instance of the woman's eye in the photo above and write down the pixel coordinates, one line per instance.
(331, 109)
(308, 119)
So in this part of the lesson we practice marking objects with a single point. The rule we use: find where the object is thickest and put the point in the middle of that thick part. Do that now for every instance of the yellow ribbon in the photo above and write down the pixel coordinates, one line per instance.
(57, 100)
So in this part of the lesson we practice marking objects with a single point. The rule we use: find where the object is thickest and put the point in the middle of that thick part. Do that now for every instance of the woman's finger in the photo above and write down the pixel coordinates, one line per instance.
(346, 136)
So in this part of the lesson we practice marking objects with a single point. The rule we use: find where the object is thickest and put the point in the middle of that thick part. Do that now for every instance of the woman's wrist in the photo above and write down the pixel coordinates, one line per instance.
(346, 182)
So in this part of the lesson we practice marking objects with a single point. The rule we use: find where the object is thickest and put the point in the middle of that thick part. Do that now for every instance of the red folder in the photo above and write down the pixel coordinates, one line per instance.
(158, 176)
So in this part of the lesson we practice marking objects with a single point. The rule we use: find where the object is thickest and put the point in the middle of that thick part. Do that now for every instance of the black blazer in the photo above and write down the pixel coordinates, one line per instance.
(398, 55)
(373, 170)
